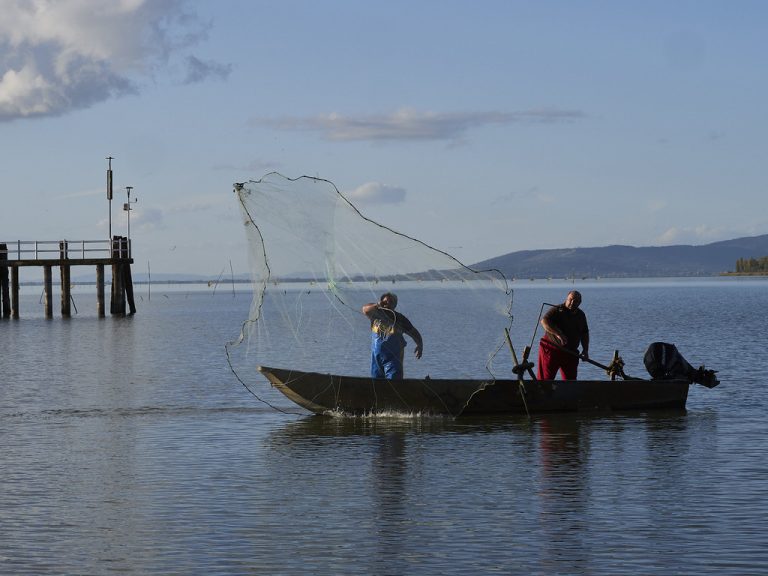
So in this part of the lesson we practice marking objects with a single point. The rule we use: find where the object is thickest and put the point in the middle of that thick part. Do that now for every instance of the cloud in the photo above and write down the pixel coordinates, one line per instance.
(376, 193)
(715, 135)
(146, 218)
(199, 71)
(706, 234)
(657, 205)
(141, 219)
(202, 204)
(514, 197)
(256, 165)
(409, 124)
(57, 56)
(81, 194)
(697, 235)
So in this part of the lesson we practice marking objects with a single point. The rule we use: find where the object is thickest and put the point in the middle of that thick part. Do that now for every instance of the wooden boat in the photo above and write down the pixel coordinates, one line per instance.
(354, 395)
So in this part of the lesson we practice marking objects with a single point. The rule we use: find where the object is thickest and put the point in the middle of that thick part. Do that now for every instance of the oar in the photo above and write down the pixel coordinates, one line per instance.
(616, 367)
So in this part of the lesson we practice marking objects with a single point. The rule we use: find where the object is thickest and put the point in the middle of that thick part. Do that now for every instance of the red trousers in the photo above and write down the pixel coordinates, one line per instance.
(552, 359)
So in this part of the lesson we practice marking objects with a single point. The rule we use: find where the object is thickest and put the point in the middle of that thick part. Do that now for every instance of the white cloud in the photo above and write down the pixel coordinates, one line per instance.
(146, 218)
(62, 55)
(696, 235)
(201, 204)
(257, 166)
(81, 194)
(409, 124)
(141, 219)
(376, 193)
(657, 205)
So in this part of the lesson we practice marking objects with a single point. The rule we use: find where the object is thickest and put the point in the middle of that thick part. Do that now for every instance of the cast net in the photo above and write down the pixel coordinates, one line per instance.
(315, 260)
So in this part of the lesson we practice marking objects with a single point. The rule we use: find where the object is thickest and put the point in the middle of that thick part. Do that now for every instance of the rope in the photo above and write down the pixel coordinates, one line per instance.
(232, 368)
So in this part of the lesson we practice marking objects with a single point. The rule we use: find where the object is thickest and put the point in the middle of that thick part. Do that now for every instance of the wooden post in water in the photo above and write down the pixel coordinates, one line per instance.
(15, 292)
(66, 293)
(66, 296)
(113, 287)
(118, 285)
(5, 301)
(127, 279)
(47, 290)
(121, 278)
(100, 290)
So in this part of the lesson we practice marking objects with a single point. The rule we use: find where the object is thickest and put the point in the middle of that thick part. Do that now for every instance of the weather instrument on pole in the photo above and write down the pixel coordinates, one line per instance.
(127, 207)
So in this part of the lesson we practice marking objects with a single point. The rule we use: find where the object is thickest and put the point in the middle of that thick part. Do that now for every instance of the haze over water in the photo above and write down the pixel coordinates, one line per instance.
(130, 447)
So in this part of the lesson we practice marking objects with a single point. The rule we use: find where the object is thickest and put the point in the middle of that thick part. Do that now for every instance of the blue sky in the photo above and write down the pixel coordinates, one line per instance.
(480, 127)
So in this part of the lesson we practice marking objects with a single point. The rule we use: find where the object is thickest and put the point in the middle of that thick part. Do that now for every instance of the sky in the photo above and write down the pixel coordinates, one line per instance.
(480, 127)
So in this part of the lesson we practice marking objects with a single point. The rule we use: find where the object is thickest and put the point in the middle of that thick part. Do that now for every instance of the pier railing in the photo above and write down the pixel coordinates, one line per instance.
(64, 249)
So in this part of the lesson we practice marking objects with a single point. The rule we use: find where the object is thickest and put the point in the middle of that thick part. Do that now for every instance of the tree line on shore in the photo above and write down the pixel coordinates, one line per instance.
(752, 265)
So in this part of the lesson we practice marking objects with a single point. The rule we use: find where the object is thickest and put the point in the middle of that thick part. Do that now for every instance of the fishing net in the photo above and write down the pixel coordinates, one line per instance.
(315, 260)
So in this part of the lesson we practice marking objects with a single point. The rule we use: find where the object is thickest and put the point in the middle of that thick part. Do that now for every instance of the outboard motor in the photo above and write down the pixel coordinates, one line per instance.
(664, 362)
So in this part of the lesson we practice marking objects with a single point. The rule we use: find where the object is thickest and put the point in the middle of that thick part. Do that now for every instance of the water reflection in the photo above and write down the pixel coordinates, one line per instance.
(563, 451)
(389, 481)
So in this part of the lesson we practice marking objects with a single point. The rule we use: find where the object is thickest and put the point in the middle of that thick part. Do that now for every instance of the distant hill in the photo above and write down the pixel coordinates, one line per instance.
(628, 261)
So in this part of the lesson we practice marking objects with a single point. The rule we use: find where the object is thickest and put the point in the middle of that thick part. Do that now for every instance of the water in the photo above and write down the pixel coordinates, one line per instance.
(130, 447)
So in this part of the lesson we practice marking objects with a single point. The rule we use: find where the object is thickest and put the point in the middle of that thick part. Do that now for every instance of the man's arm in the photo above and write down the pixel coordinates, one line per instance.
(416, 335)
(557, 336)
(585, 345)
(369, 308)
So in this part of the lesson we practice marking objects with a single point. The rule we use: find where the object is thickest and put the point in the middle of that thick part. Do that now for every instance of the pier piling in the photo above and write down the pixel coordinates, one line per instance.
(48, 290)
(5, 300)
(100, 290)
(66, 295)
(14, 292)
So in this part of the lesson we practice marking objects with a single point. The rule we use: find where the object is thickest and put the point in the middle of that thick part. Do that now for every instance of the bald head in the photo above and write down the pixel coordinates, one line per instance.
(573, 300)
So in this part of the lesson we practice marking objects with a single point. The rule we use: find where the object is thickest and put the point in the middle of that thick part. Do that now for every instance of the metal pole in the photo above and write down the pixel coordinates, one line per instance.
(128, 207)
(109, 194)
(129, 188)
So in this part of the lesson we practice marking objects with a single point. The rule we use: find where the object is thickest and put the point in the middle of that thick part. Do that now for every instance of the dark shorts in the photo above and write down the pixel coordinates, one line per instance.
(552, 360)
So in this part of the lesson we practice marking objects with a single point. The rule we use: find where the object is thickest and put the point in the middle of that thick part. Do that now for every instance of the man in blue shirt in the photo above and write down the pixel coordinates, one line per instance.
(387, 341)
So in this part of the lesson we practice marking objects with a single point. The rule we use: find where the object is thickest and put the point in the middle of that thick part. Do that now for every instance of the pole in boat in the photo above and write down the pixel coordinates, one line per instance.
(519, 371)
(616, 368)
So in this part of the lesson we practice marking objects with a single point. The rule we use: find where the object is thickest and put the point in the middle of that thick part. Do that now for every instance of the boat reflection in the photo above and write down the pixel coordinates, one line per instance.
(536, 486)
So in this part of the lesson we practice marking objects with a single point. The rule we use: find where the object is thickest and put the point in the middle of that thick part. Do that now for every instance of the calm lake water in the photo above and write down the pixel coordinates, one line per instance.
(130, 447)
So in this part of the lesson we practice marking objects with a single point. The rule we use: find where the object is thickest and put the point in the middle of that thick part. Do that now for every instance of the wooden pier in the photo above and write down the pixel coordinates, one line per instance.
(65, 254)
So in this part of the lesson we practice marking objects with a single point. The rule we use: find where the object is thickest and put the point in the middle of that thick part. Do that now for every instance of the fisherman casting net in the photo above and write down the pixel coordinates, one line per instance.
(315, 260)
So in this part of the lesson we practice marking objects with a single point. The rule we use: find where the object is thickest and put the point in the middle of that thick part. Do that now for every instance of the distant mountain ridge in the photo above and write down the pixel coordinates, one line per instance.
(619, 261)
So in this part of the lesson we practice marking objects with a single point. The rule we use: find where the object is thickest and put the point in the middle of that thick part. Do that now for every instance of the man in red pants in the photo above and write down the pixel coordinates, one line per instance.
(564, 326)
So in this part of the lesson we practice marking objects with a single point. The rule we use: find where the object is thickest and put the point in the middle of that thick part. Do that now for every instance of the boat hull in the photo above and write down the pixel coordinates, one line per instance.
(330, 393)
